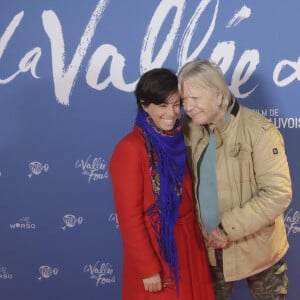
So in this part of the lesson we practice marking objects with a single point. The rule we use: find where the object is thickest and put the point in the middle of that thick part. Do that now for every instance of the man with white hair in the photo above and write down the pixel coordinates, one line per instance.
(242, 184)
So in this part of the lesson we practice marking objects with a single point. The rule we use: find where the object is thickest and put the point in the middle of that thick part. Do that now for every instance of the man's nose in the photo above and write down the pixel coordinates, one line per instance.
(188, 104)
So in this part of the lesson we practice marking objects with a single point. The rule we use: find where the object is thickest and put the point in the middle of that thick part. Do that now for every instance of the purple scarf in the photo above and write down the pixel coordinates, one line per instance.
(167, 155)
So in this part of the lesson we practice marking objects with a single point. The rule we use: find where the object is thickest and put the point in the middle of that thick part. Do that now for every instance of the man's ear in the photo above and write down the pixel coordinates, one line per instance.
(220, 97)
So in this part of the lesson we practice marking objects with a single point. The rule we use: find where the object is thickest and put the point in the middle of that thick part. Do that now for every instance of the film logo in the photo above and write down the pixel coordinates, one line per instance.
(102, 273)
(292, 221)
(93, 168)
(113, 217)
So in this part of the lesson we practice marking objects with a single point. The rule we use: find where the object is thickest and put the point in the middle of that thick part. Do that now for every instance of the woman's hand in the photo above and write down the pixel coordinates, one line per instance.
(217, 239)
(152, 283)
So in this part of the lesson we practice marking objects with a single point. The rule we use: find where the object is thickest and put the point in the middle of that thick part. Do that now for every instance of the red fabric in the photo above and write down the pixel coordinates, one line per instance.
(129, 169)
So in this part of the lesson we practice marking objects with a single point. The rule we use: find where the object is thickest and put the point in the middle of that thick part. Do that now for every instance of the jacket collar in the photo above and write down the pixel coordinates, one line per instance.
(222, 131)
(195, 132)
(235, 107)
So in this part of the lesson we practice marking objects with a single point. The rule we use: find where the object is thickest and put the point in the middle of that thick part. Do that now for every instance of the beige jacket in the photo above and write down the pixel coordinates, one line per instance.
(254, 189)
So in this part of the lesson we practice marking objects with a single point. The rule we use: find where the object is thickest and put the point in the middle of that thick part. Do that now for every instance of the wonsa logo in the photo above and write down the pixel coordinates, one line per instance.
(24, 223)
(101, 272)
(93, 168)
(4, 274)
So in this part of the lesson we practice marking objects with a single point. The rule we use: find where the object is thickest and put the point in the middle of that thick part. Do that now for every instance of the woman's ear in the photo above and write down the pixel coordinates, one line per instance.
(144, 107)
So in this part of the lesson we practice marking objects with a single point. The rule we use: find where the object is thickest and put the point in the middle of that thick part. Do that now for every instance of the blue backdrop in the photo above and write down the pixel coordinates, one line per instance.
(67, 74)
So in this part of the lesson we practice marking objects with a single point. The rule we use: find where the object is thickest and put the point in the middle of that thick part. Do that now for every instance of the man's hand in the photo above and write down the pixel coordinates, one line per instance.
(152, 283)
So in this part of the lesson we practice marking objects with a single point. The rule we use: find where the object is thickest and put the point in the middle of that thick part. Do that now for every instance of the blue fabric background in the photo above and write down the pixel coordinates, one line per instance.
(67, 74)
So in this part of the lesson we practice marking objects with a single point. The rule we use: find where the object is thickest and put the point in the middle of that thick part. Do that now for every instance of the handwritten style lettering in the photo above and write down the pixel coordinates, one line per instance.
(30, 59)
(103, 274)
(93, 168)
(294, 75)
(64, 79)
(292, 221)
(64, 76)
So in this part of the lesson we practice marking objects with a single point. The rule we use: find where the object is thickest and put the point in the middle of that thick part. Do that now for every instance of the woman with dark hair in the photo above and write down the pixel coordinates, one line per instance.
(164, 254)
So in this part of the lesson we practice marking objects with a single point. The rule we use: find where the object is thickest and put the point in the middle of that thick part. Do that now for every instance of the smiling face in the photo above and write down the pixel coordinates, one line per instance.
(164, 115)
(202, 104)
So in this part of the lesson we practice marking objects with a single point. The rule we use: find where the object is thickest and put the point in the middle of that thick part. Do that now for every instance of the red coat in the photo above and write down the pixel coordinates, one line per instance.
(129, 169)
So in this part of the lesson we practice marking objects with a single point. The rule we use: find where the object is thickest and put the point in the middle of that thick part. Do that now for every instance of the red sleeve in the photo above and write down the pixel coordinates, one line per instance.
(126, 170)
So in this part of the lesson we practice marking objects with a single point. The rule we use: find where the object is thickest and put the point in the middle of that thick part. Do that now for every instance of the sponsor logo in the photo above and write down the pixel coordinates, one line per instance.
(36, 168)
(24, 224)
(4, 274)
(71, 221)
(45, 272)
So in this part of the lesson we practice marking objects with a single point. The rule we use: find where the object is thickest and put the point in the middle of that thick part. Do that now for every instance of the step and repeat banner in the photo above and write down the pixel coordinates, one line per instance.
(67, 74)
